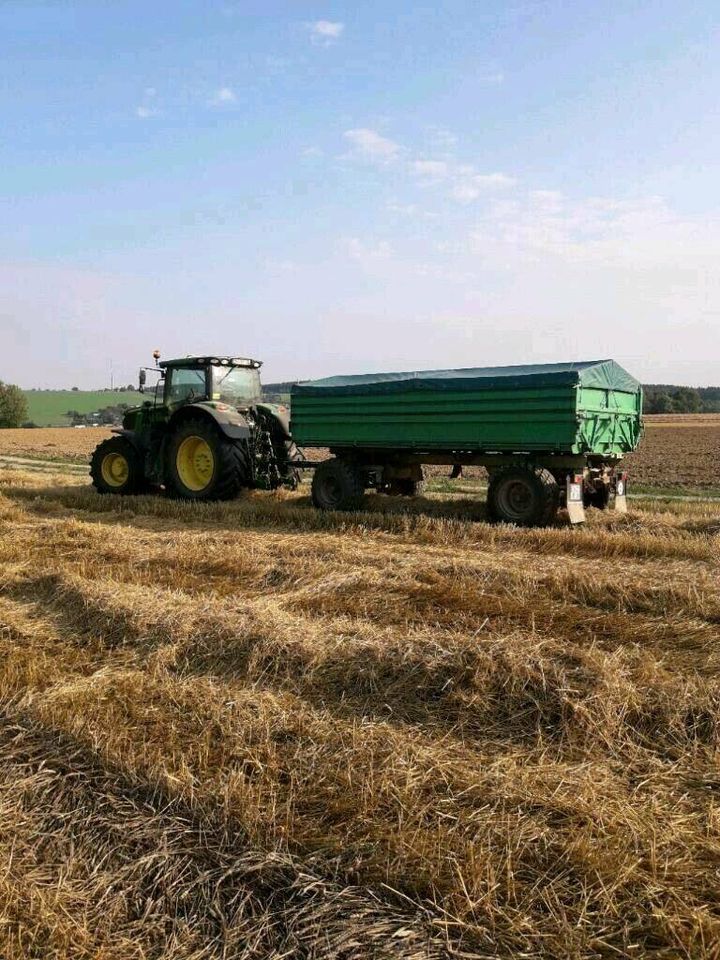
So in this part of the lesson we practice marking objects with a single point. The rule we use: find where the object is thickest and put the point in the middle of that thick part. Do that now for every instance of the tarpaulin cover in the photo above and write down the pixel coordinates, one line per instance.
(605, 374)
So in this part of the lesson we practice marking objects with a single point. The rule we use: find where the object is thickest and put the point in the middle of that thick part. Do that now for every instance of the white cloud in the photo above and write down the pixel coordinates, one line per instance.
(223, 97)
(463, 181)
(368, 253)
(494, 180)
(403, 209)
(465, 192)
(147, 106)
(440, 138)
(430, 168)
(642, 232)
(313, 152)
(325, 32)
(370, 144)
(469, 188)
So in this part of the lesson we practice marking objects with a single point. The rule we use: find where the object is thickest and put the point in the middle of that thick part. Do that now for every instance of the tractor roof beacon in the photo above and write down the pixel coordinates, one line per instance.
(207, 434)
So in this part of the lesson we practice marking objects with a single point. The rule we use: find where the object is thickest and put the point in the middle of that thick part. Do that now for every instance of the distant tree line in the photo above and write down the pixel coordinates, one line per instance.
(667, 398)
(130, 388)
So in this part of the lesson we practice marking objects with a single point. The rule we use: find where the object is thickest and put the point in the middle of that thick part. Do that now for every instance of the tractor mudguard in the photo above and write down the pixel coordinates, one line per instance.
(231, 423)
(280, 414)
(132, 436)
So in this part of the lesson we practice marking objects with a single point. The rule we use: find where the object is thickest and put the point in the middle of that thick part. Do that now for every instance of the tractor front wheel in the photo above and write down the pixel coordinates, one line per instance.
(204, 465)
(116, 467)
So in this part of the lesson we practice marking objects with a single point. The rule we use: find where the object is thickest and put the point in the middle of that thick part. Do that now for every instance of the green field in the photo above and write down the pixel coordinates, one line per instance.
(47, 408)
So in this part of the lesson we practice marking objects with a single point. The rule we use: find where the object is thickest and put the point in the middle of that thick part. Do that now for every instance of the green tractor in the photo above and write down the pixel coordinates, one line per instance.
(206, 435)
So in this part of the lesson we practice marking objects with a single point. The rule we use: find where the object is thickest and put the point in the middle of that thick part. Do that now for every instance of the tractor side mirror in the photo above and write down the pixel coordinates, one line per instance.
(141, 381)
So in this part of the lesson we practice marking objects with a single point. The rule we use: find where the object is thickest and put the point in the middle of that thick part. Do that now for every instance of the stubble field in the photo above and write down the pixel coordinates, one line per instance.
(253, 730)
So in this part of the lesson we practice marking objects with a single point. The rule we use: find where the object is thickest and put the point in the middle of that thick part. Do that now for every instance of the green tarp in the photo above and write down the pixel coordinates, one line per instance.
(605, 374)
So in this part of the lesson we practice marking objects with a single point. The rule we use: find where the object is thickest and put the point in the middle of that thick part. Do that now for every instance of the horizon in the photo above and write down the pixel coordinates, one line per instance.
(340, 190)
(123, 387)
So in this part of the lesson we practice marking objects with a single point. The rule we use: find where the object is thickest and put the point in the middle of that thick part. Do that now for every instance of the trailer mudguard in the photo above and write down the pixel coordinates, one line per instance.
(619, 502)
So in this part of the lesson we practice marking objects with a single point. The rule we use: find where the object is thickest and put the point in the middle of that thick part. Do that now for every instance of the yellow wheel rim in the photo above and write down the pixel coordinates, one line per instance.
(115, 469)
(195, 463)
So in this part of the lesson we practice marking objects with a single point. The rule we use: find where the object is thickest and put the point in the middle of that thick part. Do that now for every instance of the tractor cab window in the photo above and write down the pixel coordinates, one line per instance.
(238, 386)
(185, 385)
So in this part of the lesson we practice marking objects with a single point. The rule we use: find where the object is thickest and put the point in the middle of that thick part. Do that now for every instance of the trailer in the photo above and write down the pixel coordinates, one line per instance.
(550, 436)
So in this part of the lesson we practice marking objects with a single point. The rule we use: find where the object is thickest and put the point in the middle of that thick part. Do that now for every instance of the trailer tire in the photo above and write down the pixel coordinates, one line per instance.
(337, 485)
(525, 496)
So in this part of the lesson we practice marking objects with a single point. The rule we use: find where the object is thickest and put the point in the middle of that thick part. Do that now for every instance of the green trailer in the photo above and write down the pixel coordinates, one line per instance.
(549, 435)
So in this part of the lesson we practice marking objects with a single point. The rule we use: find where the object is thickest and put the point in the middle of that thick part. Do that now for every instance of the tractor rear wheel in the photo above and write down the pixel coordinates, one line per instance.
(116, 467)
(337, 485)
(525, 496)
(202, 464)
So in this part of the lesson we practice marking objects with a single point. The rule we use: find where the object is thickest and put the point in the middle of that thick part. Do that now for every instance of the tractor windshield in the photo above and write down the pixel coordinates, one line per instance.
(236, 385)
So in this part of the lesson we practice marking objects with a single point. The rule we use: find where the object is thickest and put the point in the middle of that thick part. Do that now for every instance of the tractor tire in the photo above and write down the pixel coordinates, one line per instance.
(337, 485)
(202, 464)
(116, 467)
(525, 496)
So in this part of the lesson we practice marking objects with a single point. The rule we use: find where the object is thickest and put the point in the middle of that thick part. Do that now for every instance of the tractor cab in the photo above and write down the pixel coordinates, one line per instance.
(234, 381)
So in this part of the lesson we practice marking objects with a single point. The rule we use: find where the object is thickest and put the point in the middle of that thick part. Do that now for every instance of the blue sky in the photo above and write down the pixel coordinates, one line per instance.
(353, 187)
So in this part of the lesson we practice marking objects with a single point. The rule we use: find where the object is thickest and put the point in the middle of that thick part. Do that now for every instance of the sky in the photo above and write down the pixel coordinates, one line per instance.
(356, 187)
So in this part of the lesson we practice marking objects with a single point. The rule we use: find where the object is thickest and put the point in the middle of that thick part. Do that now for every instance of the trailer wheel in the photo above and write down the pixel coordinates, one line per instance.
(525, 496)
(337, 485)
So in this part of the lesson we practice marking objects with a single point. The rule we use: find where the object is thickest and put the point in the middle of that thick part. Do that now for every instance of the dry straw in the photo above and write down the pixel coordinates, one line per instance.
(252, 730)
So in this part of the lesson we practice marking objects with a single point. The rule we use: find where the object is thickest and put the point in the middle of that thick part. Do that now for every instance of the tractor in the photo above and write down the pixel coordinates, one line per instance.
(206, 434)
